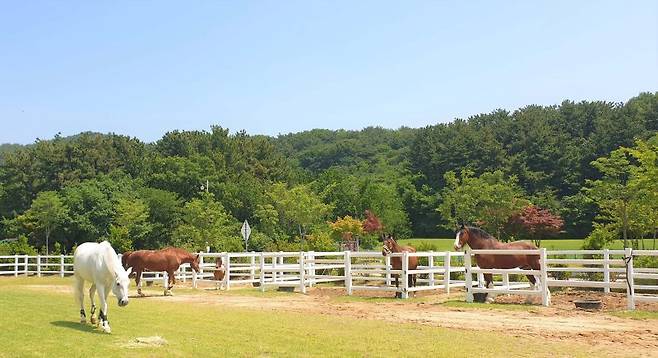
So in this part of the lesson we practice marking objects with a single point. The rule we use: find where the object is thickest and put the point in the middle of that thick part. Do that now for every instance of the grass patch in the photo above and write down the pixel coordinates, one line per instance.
(637, 314)
(44, 323)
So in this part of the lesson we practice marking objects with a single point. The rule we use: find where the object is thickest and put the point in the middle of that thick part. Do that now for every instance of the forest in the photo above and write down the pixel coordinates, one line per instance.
(577, 170)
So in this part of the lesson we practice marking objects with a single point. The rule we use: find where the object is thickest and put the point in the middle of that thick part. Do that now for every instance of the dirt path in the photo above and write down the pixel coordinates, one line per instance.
(560, 322)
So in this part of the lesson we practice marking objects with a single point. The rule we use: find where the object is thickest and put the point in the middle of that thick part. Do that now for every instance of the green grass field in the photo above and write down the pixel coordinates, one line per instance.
(38, 321)
(445, 244)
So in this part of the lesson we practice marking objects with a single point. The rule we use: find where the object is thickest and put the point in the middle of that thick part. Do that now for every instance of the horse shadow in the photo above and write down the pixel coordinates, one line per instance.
(77, 326)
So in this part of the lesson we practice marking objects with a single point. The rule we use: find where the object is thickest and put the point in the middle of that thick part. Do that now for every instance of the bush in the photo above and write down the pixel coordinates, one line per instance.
(599, 238)
(20, 247)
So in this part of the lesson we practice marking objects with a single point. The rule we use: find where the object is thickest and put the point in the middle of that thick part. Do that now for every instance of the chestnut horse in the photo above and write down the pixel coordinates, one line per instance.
(168, 260)
(390, 246)
(480, 239)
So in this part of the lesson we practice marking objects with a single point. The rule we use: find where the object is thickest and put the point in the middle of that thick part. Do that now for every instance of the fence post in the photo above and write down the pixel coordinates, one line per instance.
(446, 272)
(227, 274)
(405, 275)
(387, 262)
(194, 273)
(311, 268)
(61, 265)
(302, 273)
(165, 280)
(275, 260)
(506, 280)
(252, 266)
(630, 281)
(430, 263)
(606, 270)
(39, 265)
(262, 272)
(481, 280)
(545, 293)
(468, 279)
(27, 271)
(348, 273)
(15, 265)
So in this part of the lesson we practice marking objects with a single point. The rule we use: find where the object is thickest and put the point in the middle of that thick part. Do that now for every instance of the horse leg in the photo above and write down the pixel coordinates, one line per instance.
(102, 315)
(138, 281)
(397, 285)
(412, 282)
(92, 292)
(488, 283)
(171, 279)
(80, 295)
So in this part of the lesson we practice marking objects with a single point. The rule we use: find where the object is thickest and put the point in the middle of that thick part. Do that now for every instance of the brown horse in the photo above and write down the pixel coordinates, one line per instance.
(390, 246)
(168, 260)
(220, 270)
(480, 239)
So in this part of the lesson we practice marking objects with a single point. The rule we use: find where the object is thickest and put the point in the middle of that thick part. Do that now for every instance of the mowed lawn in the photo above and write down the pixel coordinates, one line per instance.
(38, 321)
(445, 244)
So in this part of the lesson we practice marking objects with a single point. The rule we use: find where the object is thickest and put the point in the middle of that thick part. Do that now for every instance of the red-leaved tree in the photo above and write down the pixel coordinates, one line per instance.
(535, 223)
(372, 224)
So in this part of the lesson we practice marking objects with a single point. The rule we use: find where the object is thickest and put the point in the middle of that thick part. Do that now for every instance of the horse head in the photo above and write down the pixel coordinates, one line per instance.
(388, 245)
(462, 237)
(195, 263)
(120, 286)
(124, 259)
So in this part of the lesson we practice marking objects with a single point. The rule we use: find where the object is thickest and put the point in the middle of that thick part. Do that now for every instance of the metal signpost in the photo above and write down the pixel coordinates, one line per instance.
(246, 231)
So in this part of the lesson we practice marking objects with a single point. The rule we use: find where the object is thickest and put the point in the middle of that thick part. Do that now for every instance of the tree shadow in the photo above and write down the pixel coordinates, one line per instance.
(77, 326)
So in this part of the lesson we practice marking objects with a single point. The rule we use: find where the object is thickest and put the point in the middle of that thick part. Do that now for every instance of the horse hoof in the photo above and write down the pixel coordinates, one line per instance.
(107, 329)
(93, 320)
(489, 300)
(83, 321)
(140, 294)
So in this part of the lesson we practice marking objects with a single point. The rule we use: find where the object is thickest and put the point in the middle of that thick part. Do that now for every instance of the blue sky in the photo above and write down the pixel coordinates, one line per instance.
(143, 68)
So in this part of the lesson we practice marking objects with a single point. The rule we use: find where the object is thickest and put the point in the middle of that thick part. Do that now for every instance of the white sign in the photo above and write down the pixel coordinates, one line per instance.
(246, 230)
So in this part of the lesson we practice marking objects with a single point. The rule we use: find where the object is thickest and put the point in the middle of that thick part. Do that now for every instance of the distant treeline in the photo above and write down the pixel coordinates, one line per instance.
(116, 186)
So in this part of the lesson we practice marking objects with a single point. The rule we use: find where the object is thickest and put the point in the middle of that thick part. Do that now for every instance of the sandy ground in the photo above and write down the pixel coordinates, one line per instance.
(561, 322)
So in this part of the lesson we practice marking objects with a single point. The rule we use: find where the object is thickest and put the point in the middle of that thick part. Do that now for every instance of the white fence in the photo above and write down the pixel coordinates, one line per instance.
(603, 269)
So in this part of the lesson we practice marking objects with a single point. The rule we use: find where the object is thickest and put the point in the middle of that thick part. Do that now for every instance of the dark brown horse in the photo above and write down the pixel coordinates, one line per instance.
(168, 260)
(480, 239)
(390, 246)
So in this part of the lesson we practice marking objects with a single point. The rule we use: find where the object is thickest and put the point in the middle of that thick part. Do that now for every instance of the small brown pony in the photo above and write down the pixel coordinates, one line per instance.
(168, 260)
(480, 239)
(390, 246)
(220, 270)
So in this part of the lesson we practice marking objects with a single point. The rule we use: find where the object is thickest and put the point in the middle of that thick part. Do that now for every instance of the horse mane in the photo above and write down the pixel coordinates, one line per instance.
(111, 259)
(480, 232)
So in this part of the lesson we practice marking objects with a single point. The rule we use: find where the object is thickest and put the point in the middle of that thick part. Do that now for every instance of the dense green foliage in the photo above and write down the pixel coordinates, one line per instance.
(417, 181)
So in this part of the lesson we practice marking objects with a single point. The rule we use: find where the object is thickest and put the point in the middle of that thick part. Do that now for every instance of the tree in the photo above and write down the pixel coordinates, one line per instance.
(372, 224)
(206, 223)
(46, 214)
(488, 200)
(163, 209)
(298, 207)
(130, 223)
(645, 184)
(614, 194)
(535, 223)
(346, 225)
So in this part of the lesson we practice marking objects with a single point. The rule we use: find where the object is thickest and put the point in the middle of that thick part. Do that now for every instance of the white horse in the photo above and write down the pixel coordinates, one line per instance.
(99, 264)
